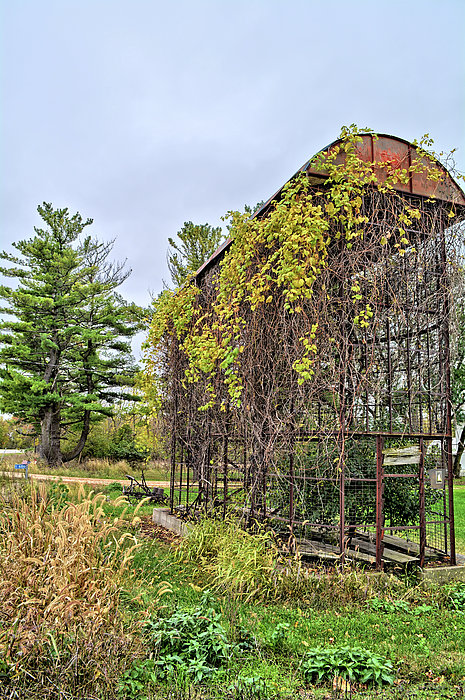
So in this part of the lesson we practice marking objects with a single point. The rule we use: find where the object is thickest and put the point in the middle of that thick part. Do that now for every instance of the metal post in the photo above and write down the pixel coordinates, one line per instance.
(291, 490)
(450, 485)
(187, 483)
(379, 503)
(181, 462)
(342, 521)
(291, 477)
(225, 471)
(450, 475)
(421, 480)
(173, 466)
(174, 427)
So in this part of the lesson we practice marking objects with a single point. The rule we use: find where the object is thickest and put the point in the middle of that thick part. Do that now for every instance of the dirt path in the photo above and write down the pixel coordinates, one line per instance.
(83, 480)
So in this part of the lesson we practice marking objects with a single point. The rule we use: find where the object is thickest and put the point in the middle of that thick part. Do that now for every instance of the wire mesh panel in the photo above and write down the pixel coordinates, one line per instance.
(353, 456)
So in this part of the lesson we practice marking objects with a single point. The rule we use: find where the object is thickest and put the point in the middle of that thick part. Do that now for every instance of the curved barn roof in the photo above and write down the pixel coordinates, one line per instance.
(375, 148)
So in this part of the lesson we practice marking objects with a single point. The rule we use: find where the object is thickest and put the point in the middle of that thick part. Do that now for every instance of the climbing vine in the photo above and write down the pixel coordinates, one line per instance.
(280, 259)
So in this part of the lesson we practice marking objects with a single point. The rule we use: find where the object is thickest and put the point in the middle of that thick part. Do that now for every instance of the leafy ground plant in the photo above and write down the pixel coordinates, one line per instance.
(351, 663)
(189, 641)
(455, 596)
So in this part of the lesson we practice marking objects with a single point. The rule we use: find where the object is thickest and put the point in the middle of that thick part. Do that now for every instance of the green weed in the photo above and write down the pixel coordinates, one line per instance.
(191, 641)
(350, 663)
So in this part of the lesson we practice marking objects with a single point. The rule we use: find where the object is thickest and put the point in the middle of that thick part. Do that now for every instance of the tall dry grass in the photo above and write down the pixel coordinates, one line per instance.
(61, 572)
(246, 566)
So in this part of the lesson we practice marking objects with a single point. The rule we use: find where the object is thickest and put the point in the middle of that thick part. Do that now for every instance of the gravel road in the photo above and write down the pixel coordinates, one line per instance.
(83, 480)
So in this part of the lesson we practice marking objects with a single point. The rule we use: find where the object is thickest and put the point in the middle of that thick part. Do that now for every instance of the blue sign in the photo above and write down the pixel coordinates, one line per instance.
(24, 466)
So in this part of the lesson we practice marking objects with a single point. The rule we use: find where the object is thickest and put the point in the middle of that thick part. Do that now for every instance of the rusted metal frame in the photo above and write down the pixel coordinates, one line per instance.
(291, 475)
(421, 484)
(225, 470)
(367, 410)
(211, 467)
(442, 340)
(206, 481)
(326, 479)
(379, 503)
(417, 298)
(291, 488)
(186, 452)
(444, 465)
(389, 369)
(181, 462)
(318, 435)
(342, 515)
(246, 477)
(428, 362)
(405, 307)
(448, 397)
(450, 484)
(409, 367)
(188, 470)
(411, 527)
(173, 453)
(252, 487)
(264, 494)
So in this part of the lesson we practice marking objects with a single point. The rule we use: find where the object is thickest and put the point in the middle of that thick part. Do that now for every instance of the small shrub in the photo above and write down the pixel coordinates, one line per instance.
(57, 495)
(137, 679)
(192, 641)
(455, 596)
(388, 606)
(353, 664)
(277, 638)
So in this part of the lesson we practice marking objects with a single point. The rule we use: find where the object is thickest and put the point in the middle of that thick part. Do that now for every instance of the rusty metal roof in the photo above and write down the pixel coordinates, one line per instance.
(374, 148)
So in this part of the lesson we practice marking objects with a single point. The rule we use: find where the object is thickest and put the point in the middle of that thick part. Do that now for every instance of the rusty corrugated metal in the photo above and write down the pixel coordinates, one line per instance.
(373, 148)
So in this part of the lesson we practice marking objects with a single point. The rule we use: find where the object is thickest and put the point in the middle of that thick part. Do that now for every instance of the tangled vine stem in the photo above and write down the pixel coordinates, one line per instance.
(324, 323)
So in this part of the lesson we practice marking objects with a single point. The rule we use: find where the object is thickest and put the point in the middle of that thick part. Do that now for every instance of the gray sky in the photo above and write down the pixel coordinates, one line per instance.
(145, 114)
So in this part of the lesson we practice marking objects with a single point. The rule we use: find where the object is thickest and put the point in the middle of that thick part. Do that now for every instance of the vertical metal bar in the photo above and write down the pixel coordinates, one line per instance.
(445, 513)
(421, 484)
(173, 465)
(450, 484)
(291, 476)
(367, 398)
(291, 489)
(264, 477)
(187, 483)
(379, 503)
(225, 471)
(181, 462)
(428, 364)
(409, 366)
(244, 461)
(206, 484)
(419, 391)
(342, 514)
(448, 397)
(389, 377)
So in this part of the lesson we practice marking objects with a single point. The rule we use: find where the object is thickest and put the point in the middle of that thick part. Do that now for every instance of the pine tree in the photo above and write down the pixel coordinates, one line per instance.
(198, 243)
(64, 347)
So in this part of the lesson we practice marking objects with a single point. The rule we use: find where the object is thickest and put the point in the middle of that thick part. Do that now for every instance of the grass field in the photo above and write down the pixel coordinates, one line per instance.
(95, 468)
(268, 618)
(459, 510)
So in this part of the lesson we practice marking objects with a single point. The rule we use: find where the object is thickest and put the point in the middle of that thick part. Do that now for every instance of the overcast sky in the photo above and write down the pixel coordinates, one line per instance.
(144, 114)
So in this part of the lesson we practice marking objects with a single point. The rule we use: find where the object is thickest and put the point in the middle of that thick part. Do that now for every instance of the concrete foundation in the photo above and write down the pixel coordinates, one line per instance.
(444, 574)
(163, 517)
